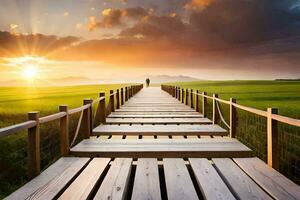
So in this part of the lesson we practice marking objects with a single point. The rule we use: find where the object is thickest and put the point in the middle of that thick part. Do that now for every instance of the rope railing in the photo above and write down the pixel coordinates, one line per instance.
(86, 122)
(182, 94)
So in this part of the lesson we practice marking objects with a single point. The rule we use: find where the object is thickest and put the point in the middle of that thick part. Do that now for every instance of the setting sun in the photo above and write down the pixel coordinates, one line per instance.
(30, 72)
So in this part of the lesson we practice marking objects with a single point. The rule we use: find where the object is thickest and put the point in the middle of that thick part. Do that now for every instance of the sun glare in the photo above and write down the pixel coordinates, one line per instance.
(29, 71)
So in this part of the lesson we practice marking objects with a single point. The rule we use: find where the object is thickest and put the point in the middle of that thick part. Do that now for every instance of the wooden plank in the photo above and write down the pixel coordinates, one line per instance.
(242, 185)
(209, 182)
(178, 182)
(148, 129)
(178, 137)
(162, 148)
(132, 137)
(115, 183)
(183, 114)
(154, 116)
(192, 137)
(147, 137)
(83, 185)
(277, 185)
(50, 182)
(154, 109)
(146, 182)
(117, 137)
(162, 137)
(182, 120)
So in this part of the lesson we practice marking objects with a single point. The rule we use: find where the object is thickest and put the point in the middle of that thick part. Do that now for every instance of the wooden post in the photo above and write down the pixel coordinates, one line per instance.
(215, 112)
(118, 99)
(126, 94)
(112, 100)
(182, 95)
(186, 97)
(204, 104)
(64, 131)
(233, 119)
(102, 109)
(192, 99)
(272, 139)
(86, 122)
(179, 95)
(175, 92)
(122, 96)
(34, 158)
(197, 100)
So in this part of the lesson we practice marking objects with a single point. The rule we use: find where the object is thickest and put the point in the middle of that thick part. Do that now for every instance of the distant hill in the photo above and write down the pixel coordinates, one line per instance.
(165, 78)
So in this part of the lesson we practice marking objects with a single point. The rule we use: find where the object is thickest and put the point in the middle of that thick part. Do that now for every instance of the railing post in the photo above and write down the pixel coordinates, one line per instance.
(204, 104)
(186, 97)
(175, 89)
(126, 93)
(102, 109)
(86, 122)
(182, 95)
(192, 99)
(179, 95)
(272, 139)
(118, 99)
(34, 158)
(122, 96)
(112, 100)
(197, 100)
(64, 131)
(233, 119)
(215, 113)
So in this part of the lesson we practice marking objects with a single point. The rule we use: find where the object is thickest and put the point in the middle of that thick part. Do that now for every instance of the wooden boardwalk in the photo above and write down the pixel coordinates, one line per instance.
(155, 147)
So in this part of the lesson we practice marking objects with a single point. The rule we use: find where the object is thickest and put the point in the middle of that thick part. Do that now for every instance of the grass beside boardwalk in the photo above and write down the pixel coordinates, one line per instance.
(284, 95)
(15, 102)
(252, 129)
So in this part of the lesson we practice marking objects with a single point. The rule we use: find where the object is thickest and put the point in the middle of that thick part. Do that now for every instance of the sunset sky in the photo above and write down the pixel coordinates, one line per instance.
(124, 39)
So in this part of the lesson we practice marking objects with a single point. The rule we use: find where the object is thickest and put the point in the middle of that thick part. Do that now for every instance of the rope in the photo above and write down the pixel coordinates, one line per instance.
(221, 115)
(77, 129)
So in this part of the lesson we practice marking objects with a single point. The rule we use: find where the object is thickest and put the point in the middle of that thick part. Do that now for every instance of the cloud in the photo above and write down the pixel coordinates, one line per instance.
(66, 14)
(112, 18)
(27, 44)
(197, 4)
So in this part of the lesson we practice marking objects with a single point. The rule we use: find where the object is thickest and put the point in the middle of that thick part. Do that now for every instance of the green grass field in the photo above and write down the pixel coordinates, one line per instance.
(15, 102)
(284, 95)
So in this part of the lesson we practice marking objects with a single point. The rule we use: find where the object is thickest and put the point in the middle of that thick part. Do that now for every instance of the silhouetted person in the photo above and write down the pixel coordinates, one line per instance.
(147, 82)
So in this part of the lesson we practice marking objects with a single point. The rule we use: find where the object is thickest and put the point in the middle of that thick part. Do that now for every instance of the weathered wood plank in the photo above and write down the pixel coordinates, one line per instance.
(209, 182)
(154, 109)
(242, 185)
(277, 185)
(114, 115)
(60, 173)
(178, 182)
(183, 114)
(146, 182)
(83, 185)
(115, 183)
(148, 129)
(162, 148)
(198, 120)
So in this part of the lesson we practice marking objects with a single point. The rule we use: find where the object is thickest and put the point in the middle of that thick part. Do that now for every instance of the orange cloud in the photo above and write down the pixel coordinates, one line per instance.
(198, 4)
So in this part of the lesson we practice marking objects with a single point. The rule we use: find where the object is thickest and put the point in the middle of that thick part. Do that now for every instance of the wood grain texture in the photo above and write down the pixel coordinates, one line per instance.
(50, 182)
(146, 182)
(277, 185)
(170, 129)
(115, 183)
(217, 147)
(242, 185)
(178, 182)
(158, 120)
(83, 185)
(209, 181)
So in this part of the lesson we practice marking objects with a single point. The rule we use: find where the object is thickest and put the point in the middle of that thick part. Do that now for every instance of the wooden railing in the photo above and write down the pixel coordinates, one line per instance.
(86, 123)
(271, 114)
